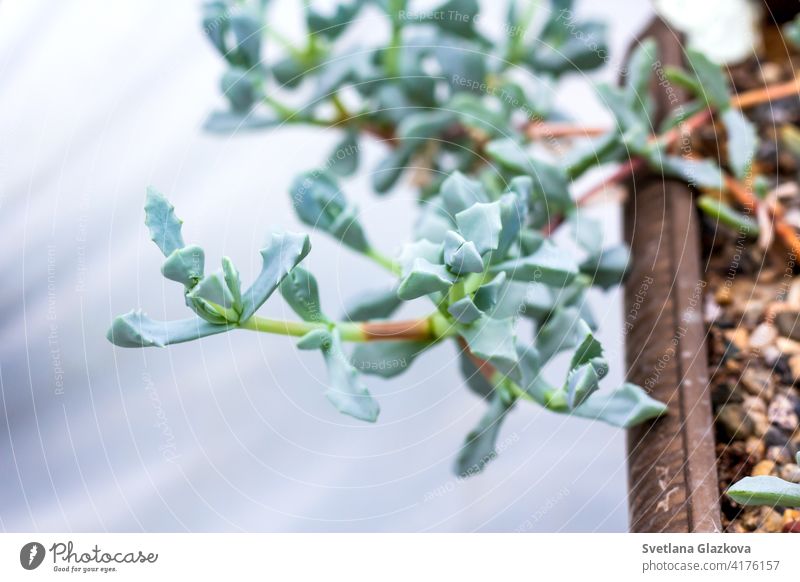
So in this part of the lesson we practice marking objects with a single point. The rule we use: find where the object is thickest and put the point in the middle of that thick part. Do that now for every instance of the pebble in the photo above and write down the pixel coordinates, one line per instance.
(755, 448)
(764, 335)
(775, 437)
(790, 472)
(787, 347)
(723, 295)
(771, 521)
(738, 337)
(758, 382)
(781, 413)
(780, 455)
(788, 323)
(734, 422)
(764, 467)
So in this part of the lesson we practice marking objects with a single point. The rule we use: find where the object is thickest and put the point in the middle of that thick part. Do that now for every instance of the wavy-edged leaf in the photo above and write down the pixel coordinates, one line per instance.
(712, 79)
(479, 447)
(461, 255)
(609, 267)
(481, 224)
(299, 289)
(491, 339)
(375, 304)
(459, 193)
(424, 278)
(281, 255)
(742, 141)
(137, 330)
(164, 226)
(386, 358)
(346, 392)
(464, 311)
(550, 265)
(185, 265)
(211, 299)
(623, 407)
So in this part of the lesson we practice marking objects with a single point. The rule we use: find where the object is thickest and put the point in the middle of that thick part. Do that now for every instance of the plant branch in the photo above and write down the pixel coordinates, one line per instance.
(691, 124)
(386, 262)
(427, 329)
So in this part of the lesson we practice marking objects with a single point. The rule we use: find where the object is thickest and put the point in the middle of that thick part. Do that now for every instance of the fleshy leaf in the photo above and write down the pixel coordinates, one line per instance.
(609, 267)
(136, 330)
(165, 227)
(479, 447)
(299, 289)
(280, 256)
(712, 80)
(377, 304)
(765, 490)
(346, 392)
(386, 358)
(424, 278)
(234, 283)
(697, 173)
(742, 141)
(560, 332)
(723, 213)
(315, 339)
(624, 407)
(550, 264)
(637, 83)
(481, 224)
(464, 311)
(487, 296)
(474, 378)
(491, 339)
(461, 255)
(320, 203)
(213, 293)
(185, 265)
(459, 193)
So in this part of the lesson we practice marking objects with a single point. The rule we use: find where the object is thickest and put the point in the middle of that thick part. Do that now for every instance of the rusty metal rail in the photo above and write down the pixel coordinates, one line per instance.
(672, 474)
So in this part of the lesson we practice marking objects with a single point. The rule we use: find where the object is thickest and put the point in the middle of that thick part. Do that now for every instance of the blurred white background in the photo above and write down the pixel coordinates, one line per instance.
(100, 99)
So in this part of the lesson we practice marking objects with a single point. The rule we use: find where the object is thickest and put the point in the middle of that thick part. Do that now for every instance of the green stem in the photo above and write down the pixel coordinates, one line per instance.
(386, 262)
(516, 46)
(431, 328)
(395, 43)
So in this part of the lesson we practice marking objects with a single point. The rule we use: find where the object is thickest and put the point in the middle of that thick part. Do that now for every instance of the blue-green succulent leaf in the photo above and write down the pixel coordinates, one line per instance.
(423, 279)
(233, 282)
(376, 304)
(742, 141)
(165, 227)
(386, 358)
(461, 255)
(479, 447)
(464, 311)
(346, 392)
(608, 268)
(481, 224)
(765, 490)
(624, 407)
(185, 265)
(492, 340)
(459, 193)
(280, 256)
(315, 339)
(299, 289)
(550, 264)
(137, 330)
(712, 79)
